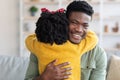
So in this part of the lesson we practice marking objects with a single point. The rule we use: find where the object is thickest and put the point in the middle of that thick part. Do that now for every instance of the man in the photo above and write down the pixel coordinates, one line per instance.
(93, 62)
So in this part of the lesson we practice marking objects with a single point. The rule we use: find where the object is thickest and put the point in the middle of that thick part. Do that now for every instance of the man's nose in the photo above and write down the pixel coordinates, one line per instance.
(79, 28)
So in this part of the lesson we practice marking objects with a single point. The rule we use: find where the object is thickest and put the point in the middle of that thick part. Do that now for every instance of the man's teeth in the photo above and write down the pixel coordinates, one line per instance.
(76, 36)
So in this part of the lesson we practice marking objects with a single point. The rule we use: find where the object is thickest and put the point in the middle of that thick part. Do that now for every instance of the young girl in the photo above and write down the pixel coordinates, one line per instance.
(51, 41)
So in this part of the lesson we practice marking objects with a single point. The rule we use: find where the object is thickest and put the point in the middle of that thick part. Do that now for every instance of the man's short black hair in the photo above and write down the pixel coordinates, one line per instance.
(52, 28)
(81, 6)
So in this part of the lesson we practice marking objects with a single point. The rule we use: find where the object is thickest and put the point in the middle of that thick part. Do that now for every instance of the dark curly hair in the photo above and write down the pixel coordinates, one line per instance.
(81, 6)
(52, 28)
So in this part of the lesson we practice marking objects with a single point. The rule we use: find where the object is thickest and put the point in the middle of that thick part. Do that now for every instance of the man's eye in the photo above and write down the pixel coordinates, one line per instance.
(86, 26)
(73, 22)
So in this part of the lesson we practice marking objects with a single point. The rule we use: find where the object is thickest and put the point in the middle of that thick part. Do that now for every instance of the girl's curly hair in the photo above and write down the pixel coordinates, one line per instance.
(52, 28)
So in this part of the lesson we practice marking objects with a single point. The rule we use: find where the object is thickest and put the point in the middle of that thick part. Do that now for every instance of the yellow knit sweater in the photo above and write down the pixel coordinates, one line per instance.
(68, 52)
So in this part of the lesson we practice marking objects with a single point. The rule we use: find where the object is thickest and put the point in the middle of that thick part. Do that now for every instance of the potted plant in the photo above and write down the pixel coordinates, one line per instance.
(33, 10)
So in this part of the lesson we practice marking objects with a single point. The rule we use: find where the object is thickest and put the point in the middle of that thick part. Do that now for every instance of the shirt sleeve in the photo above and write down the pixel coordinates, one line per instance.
(32, 43)
(32, 70)
(99, 73)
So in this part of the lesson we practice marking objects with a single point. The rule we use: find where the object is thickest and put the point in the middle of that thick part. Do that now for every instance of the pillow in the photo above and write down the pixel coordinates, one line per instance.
(114, 68)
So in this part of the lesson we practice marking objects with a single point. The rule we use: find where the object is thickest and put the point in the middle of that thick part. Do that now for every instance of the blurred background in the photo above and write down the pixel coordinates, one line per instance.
(18, 18)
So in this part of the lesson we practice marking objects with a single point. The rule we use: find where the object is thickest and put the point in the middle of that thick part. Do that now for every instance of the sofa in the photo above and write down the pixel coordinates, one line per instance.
(14, 68)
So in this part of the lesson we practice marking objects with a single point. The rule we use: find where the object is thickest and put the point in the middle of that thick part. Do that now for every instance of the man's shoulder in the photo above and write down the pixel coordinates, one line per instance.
(90, 57)
(96, 50)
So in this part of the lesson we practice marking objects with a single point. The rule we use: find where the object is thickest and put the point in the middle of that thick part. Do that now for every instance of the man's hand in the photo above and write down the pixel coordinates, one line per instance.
(56, 72)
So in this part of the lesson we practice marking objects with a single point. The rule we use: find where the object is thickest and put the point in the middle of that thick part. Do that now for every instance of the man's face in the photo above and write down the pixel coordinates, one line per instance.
(79, 23)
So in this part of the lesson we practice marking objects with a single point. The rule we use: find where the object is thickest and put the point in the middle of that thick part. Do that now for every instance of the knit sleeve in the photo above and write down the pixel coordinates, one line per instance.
(89, 42)
(31, 43)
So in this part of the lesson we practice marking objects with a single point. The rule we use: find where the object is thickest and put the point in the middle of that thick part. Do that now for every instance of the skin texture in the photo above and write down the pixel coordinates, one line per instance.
(78, 26)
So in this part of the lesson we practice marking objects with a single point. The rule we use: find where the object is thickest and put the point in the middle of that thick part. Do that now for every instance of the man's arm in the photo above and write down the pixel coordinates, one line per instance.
(32, 70)
(99, 73)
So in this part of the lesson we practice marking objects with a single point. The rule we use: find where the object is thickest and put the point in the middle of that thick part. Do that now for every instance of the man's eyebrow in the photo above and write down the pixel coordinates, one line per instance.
(86, 23)
(75, 20)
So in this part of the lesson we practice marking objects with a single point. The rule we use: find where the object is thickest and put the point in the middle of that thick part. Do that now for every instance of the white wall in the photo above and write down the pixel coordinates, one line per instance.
(9, 27)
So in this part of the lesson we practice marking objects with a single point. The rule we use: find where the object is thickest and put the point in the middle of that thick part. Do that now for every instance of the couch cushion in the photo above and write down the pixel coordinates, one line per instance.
(114, 68)
(109, 55)
(112, 52)
(13, 68)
